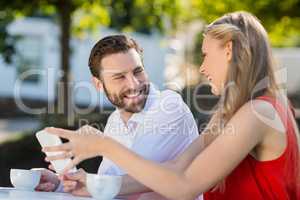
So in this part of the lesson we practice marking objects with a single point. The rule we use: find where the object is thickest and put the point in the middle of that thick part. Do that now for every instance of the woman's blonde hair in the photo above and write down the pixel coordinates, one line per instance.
(251, 63)
(251, 70)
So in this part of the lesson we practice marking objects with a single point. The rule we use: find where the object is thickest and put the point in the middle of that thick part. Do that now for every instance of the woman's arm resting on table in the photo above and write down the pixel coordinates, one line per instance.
(211, 166)
(215, 162)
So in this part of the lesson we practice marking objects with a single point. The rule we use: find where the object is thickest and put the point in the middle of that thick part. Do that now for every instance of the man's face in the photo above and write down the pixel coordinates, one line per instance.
(125, 81)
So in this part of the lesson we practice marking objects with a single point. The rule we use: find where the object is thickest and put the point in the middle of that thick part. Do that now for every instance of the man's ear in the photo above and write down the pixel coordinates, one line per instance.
(97, 84)
(228, 49)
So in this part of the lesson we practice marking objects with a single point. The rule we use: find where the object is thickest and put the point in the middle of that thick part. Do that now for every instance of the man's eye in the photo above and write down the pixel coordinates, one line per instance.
(119, 77)
(138, 71)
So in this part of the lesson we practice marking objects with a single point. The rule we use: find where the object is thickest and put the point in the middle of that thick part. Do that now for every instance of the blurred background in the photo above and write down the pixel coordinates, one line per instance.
(45, 45)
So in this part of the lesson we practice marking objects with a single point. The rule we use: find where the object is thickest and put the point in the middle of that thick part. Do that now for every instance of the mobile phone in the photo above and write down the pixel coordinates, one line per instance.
(46, 139)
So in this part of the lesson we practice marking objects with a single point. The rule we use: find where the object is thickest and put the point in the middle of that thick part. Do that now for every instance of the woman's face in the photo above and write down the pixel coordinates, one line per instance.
(215, 63)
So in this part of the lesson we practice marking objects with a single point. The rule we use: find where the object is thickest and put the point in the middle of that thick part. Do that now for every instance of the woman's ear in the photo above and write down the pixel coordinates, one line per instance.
(228, 49)
(97, 84)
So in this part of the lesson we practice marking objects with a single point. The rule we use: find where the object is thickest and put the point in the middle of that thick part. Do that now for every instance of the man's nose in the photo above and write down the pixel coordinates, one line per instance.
(133, 82)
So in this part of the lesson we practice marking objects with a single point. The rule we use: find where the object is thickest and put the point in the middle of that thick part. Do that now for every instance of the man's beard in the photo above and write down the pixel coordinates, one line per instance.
(118, 100)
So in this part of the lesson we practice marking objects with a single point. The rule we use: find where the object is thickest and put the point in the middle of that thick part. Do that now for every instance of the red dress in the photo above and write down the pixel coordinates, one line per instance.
(265, 180)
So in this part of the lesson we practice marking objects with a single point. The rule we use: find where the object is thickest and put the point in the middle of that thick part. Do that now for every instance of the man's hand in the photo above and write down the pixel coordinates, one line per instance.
(49, 180)
(75, 183)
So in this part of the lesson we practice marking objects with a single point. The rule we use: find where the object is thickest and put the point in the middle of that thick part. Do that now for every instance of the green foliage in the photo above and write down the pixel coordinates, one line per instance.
(124, 15)
(197, 50)
(6, 43)
(88, 17)
(286, 33)
(142, 15)
(280, 18)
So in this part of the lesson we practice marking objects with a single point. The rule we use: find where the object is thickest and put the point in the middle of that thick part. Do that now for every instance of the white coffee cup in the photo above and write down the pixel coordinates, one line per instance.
(25, 179)
(103, 187)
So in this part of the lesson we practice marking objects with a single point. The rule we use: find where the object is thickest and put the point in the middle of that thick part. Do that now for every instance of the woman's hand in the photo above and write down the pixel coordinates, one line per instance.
(83, 144)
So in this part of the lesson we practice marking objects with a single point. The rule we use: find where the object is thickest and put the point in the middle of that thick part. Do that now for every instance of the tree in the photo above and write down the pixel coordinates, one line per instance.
(82, 15)
(144, 16)
(281, 18)
(64, 10)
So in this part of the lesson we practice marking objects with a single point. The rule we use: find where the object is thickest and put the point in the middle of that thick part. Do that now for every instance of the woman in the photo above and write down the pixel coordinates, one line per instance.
(249, 150)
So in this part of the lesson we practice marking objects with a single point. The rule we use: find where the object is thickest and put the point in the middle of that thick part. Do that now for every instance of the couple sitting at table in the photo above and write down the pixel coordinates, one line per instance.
(156, 125)
(249, 149)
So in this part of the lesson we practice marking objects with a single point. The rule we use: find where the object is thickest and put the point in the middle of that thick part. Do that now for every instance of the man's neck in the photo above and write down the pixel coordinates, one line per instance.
(125, 116)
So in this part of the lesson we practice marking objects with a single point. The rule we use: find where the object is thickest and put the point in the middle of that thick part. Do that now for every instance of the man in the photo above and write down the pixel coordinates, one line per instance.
(157, 125)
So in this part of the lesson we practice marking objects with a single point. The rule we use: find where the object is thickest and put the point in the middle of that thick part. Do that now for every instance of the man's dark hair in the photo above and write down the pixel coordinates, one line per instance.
(107, 46)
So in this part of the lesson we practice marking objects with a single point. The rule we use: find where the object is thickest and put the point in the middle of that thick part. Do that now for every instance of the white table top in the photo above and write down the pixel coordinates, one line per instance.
(14, 194)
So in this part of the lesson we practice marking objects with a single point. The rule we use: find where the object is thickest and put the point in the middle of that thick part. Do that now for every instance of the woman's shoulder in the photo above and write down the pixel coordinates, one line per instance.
(263, 113)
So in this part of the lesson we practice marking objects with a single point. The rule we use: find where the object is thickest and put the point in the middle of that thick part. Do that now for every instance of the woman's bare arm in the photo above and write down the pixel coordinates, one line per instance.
(211, 166)
(233, 143)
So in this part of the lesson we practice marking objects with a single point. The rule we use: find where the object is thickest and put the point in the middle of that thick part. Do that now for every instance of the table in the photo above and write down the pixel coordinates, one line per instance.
(14, 194)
